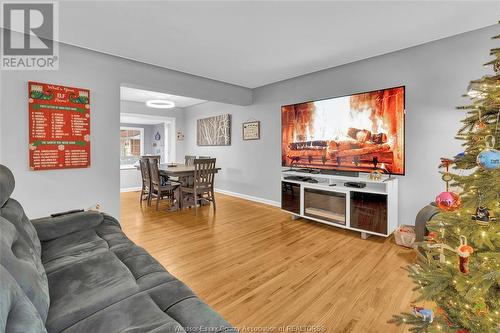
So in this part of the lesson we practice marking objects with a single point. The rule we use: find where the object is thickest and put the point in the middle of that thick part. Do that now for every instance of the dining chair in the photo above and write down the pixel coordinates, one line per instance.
(155, 157)
(163, 178)
(160, 189)
(203, 157)
(146, 180)
(203, 182)
(189, 160)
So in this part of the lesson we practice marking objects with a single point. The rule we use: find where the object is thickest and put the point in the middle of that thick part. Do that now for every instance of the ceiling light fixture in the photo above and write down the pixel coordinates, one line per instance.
(160, 104)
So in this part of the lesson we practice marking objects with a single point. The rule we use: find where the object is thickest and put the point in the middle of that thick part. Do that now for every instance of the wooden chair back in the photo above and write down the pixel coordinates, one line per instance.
(189, 160)
(204, 172)
(158, 157)
(145, 173)
(203, 157)
(154, 162)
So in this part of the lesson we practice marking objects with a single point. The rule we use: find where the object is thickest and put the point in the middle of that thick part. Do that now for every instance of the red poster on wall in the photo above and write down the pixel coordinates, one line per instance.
(59, 133)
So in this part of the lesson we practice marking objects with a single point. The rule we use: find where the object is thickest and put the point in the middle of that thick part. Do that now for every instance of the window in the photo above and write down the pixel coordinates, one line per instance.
(131, 146)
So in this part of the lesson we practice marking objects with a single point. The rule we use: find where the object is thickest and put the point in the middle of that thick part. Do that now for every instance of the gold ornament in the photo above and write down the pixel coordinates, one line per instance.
(375, 175)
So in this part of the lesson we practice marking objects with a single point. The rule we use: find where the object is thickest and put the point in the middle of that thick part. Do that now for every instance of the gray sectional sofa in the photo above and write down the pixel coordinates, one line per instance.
(80, 273)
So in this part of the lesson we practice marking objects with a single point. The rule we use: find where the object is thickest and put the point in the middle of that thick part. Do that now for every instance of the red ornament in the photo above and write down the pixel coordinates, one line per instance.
(432, 236)
(446, 162)
(448, 201)
(462, 330)
(464, 251)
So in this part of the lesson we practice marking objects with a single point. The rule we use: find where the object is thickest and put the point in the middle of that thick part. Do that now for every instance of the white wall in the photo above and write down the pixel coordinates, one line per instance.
(160, 148)
(130, 180)
(435, 75)
(43, 192)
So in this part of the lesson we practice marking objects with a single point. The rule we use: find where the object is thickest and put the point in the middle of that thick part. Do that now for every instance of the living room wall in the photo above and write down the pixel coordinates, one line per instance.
(435, 74)
(44, 192)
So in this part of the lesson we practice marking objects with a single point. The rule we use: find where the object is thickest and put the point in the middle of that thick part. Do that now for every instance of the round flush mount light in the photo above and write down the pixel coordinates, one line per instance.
(160, 104)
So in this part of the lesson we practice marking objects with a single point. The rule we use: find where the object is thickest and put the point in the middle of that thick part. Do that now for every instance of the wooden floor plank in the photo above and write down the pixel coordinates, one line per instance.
(258, 268)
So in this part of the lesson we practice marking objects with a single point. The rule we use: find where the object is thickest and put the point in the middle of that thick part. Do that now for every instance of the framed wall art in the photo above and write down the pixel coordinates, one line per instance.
(214, 131)
(59, 126)
(251, 130)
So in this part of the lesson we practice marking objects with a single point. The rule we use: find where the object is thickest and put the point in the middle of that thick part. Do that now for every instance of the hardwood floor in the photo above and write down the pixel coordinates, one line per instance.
(258, 268)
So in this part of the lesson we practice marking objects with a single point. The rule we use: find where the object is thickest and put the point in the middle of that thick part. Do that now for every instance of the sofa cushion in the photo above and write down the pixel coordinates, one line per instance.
(134, 314)
(11, 210)
(196, 316)
(7, 184)
(80, 289)
(169, 294)
(24, 265)
(17, 313)
(77, 245)
(14, 212)
(49, 228)
(71, 248)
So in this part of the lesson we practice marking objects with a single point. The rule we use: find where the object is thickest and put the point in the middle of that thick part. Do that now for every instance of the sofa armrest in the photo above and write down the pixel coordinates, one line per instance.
(49, 228)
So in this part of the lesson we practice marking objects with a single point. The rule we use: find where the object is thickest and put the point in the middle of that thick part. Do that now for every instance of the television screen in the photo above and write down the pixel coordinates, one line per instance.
(362, 132)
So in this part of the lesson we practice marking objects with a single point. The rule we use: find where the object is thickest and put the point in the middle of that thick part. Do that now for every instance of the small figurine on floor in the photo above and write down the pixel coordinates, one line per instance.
(425, 314)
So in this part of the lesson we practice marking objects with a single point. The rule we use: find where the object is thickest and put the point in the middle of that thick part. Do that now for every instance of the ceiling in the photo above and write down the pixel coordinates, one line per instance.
(142, 96)
(257, 43)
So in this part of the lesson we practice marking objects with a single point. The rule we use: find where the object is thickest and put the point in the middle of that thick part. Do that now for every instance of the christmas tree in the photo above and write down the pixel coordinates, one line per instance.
(458, 268)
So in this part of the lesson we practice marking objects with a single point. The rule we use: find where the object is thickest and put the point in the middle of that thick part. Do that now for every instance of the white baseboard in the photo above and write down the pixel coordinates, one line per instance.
(130, 189)
(249, 197)
(233, 194)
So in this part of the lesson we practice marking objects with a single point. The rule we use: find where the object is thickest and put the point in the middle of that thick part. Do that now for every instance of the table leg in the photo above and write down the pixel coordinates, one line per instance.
(183, 199)
(176, 206)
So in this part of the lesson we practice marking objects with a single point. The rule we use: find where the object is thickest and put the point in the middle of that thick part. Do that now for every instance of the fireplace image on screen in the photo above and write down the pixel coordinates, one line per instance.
(361, 132)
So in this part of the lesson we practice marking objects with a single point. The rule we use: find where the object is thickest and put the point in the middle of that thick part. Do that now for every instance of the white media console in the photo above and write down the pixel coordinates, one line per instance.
(371, 210)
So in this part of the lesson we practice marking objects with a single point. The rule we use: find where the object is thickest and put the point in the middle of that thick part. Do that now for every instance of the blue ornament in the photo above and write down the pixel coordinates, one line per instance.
(459, 156)
(489, 159)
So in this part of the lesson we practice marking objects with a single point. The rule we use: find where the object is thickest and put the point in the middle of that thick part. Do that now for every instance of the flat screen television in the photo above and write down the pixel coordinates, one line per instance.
(359, 133)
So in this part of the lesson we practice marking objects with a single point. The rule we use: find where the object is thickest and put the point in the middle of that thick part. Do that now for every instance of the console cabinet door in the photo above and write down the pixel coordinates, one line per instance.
(369, 212)
(290, 197)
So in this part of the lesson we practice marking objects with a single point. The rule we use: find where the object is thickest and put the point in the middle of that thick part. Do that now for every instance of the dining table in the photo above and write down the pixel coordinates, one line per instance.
(178, 170)
(184, 174)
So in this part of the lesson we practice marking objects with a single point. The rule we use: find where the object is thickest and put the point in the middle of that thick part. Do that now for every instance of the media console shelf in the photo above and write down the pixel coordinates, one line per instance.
(371, 210)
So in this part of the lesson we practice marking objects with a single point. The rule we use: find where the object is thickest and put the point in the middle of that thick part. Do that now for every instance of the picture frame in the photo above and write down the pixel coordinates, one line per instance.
(214, 131)
(251, 130)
